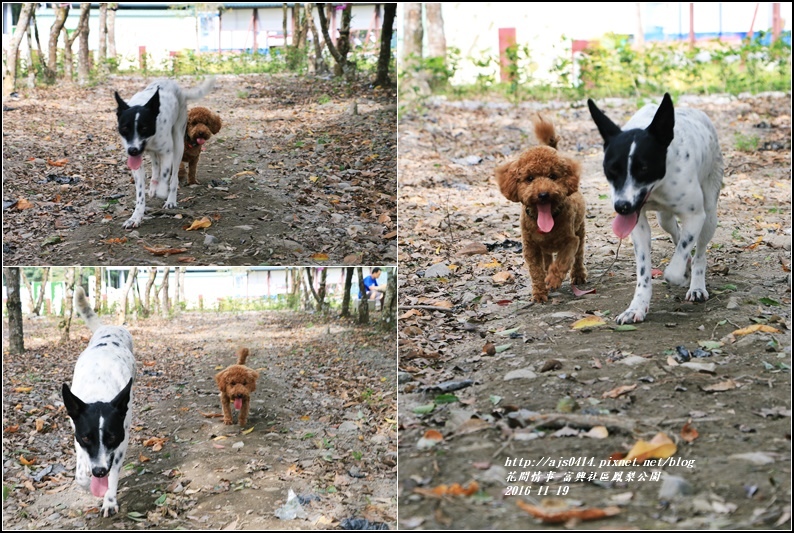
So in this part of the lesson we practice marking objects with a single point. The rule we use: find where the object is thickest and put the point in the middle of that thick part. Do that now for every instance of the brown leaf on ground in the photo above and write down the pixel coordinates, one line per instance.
(156, 250)
(202, 223)
(554, 516)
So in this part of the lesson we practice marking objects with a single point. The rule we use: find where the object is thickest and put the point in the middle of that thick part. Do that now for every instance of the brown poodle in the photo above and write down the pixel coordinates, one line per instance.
(552, 221)
(236, 383)
(201, 125)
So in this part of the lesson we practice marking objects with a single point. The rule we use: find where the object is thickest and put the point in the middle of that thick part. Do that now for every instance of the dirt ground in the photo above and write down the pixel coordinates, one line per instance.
(322, 423)
(303, 172)
(548, 391)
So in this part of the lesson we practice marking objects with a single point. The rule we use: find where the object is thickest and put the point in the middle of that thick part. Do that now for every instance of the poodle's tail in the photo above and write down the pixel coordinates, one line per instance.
(242, 355)
(84, 309)
(544, 131)
(197, 93)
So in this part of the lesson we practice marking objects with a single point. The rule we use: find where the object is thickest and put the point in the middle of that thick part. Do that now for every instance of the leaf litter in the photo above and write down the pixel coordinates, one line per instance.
(454, 214)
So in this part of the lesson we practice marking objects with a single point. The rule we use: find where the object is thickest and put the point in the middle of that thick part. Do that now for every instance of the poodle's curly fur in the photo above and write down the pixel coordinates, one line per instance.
(201, 125)
(546, 183)
(236, 384)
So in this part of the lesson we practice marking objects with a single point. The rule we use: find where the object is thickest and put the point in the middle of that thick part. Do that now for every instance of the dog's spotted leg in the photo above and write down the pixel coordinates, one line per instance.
(110, 505)
(175, 158)
(641, 235)
(82, 474)
(140, 199)
(691, 227)
(697, 286)
(154, 184)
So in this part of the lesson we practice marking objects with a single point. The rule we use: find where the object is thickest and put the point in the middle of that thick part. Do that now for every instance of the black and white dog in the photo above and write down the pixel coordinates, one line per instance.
(154, 121)
(100, 406)
(668, 161)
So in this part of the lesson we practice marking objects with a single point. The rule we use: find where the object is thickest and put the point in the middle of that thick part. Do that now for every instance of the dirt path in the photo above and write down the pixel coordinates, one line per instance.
(293, 177)
(738, 399)
(321, 421)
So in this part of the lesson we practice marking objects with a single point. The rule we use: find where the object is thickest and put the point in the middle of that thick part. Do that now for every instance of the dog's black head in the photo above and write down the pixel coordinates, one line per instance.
(634, 160)
(137, 124)
(99, 428)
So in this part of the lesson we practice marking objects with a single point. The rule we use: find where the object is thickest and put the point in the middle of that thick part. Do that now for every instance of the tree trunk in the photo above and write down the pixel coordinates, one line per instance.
(182, 271)
(363, 303)
(413, 33)
(67, 308)
(31, 71)
(319, 296)
(152, 275)
(384, 58)
(436, 42)
(639, 37)
(102, 52)
(16, 340)
(322, 289)
(29, 287)
(98, 274)
(40, 300)
(55, 30)
(388, 315)
(294, 298)
(112, 30)
(341, 60)
(49, 75)
(165, 305)
(83, 66)
(346, 296)
(284, 24)
(10, 75)
(343, 43)
(68, 59)
(319, 64)
(178, 286)
(131, 276)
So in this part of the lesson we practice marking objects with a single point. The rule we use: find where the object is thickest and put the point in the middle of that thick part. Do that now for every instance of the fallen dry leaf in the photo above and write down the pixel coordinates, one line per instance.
(659, 447)
(456, 489)
(23, 204)
(320, 256)
(619, 391)
(722, 386)
(503, 277)
(58, 163)
(117, 240)
(203, 222)
(591, 321)
(157, 250)
(27, 462)
(689, 433)
(756, 327)
(554, 516)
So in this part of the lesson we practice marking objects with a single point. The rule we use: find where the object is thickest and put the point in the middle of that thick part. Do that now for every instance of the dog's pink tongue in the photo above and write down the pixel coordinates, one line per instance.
(238, 403)
(200, 141)
(134, 162)
(99, 486)
(623, 224)
(545, 220)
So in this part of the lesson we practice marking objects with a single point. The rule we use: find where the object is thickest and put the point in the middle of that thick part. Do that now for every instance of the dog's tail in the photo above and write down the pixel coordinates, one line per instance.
(83, 307)
(197, 93)
(242, 355)
(544, 131)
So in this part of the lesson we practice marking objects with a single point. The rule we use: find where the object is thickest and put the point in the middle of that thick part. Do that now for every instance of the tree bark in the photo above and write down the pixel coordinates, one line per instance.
(49, 75)
(83, 66)
(55, 30)
(346, 296)
(165, 305)
(384, 58)
(319, 64)
(341, 60)
(29, 287)
(131, 276)
(31, 71)
(102, 52)
(436, 41)
(294, 299)
(112, 30)
(67, 308)
(16, 339)
(285, 10)
(152, 275)
(10, 75)
(363, 303)
(68, 59)
(413, 33)
(388, 315)
(319, 295)
(182, 271)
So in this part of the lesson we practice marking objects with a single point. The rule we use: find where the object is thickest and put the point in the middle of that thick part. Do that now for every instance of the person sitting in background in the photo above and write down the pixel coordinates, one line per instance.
(374, 292)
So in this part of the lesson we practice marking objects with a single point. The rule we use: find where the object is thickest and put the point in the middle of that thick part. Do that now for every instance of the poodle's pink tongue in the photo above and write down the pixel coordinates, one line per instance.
(623, 224)
(134, 162)
(545, 220)
(99, 486)
(238, 403)
(200, 141)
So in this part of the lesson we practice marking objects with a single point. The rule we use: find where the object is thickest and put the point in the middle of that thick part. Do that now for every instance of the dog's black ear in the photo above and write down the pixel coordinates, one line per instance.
(122, 399)
(122, 104)
(606, 127)
(154, 102)
(74, 405)
(663, 123)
